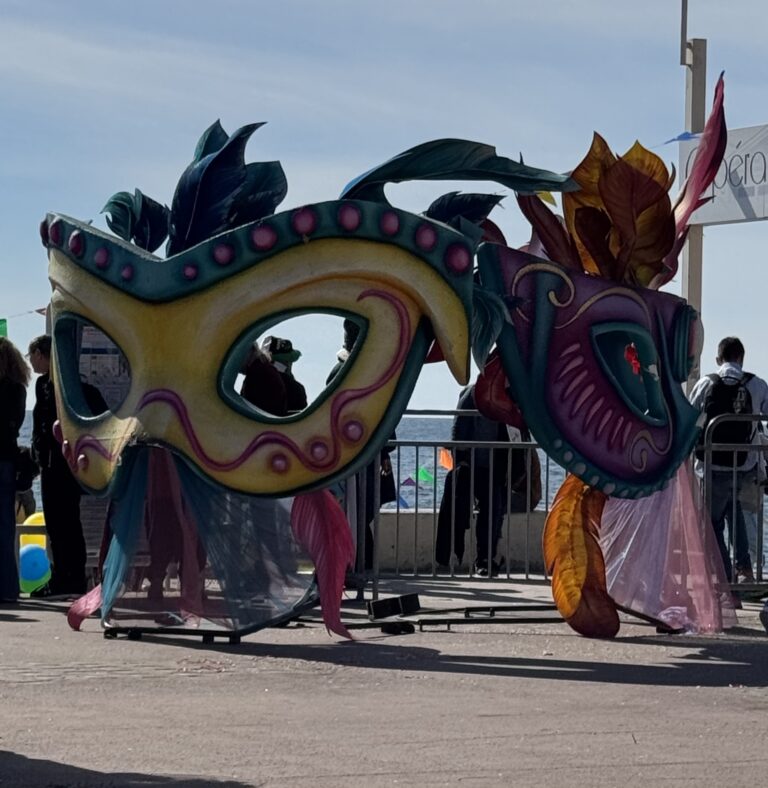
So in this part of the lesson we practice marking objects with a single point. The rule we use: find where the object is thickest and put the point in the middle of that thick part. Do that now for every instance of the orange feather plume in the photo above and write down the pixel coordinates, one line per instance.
(575, 562)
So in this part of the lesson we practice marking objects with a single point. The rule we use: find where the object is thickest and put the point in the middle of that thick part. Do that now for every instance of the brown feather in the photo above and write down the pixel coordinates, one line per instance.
(573, 558)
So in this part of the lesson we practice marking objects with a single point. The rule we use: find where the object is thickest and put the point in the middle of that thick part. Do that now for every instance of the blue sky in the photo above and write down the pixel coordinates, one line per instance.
(97, 97)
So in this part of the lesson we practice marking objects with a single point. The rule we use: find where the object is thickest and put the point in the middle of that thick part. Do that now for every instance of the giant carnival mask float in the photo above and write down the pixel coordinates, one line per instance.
(586, 348)
(181, 451)
(595, 357)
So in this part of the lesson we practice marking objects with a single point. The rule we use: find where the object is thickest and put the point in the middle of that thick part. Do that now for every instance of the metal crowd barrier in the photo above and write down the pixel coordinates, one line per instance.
(412, 529)
(747, 488)
(408, 523)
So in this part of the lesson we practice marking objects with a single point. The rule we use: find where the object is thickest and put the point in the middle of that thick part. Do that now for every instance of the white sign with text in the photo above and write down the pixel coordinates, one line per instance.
(740, 190)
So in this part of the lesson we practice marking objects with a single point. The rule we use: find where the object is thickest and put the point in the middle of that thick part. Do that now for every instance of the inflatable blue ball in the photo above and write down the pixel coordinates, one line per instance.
(34, 567)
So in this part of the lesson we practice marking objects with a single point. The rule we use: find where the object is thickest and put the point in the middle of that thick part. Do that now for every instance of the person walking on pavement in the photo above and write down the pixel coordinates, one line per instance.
(731, 390)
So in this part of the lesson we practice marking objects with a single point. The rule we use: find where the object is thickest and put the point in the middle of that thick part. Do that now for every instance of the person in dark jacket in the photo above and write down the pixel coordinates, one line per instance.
(490, 479)
(263, 385)
(60, 491)
(14, 377)
(284, 355)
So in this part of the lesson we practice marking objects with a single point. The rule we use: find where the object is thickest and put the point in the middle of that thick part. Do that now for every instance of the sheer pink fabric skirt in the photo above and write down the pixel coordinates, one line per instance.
(661, 558)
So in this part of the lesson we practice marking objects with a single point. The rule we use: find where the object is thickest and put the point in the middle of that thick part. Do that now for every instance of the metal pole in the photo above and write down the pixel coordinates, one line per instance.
(683, 31)
(695, 117)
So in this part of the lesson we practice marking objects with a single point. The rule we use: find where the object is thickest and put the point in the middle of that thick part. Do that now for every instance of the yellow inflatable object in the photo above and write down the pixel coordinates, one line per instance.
(39, 539)
(38, 518)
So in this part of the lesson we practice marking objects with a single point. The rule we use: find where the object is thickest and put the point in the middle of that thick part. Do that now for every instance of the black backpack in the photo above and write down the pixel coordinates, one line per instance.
(724, 398)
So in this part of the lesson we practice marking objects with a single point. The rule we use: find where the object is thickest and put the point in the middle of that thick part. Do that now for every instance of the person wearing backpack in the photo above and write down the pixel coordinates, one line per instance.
(731, 390)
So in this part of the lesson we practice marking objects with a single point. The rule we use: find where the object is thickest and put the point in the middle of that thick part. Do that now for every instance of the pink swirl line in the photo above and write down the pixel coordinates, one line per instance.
(338, 404)
(344, 398)
(172, 399)
(90, 442)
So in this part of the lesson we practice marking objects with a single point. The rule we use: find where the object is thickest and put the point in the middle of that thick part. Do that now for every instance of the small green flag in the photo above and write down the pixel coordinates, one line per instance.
(425, 476)
(3, 327)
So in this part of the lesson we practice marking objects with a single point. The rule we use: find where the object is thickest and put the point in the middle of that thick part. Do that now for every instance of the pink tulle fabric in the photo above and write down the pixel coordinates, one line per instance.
(84, 607)
(661, 558)
(171, 529)
(321, 528)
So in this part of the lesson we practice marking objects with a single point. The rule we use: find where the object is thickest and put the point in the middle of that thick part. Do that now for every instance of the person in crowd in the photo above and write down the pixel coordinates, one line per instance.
(284, 356)
(263, 552)
(751, 493)
(367, 489)
(172, 535)
(14, 378)
(489, 479)
(731, 390)
(351, 333)
(26, 473)
(60, 491)
(263, 385)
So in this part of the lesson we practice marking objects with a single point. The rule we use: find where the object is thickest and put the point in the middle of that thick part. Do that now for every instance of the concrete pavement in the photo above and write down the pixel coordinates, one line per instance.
(480, 705)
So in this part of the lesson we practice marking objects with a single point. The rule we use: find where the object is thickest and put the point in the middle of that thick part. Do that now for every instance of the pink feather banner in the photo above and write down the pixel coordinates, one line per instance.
(709, 156)
(320, 526)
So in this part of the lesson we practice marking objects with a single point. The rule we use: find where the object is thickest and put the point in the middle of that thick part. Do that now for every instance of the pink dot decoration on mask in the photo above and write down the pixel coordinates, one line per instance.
(353, 431)
(279, 463)
(458, 259)
(304, 221)
(101, 258)
(318, 450)
(389, 223)
(349, 217)
(263, 238)
(223, 254)
(426, 238)
(76, 243)
(55, 232)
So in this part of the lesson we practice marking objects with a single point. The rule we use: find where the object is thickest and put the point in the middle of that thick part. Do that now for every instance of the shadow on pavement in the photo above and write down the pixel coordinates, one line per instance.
(5, 616)
(711, 662)
(18, 770)
(24, 610)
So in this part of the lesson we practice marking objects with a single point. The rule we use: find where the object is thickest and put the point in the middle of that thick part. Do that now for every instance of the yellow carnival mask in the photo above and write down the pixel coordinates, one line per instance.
(185, 325)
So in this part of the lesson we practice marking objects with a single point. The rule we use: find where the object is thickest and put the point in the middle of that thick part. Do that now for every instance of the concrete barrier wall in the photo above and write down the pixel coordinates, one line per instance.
(405, 534)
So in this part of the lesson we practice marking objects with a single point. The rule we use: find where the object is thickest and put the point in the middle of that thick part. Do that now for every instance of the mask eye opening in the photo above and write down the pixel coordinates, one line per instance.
(628, 356)
(246, 350)
(92, 372)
